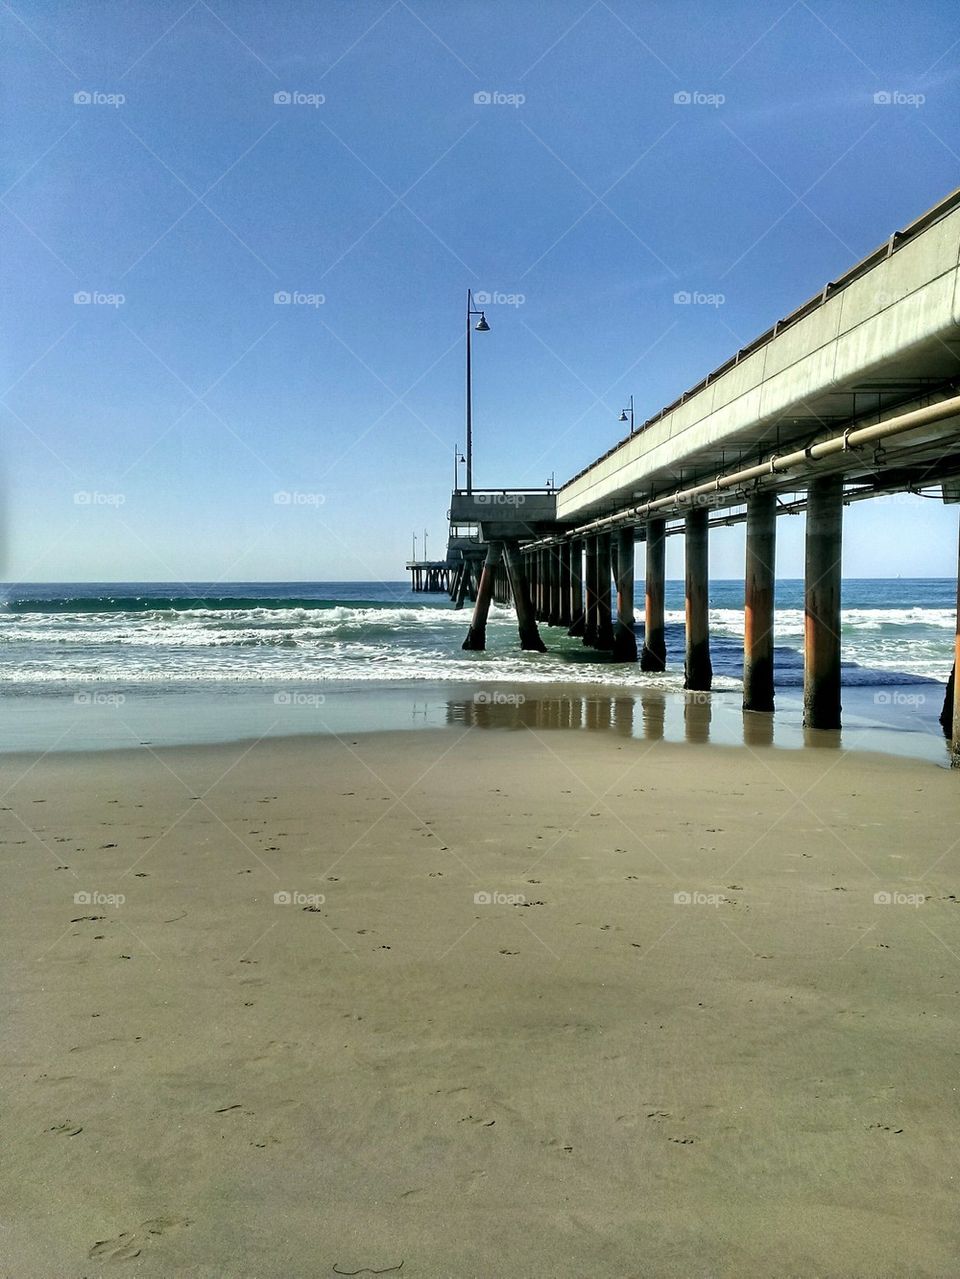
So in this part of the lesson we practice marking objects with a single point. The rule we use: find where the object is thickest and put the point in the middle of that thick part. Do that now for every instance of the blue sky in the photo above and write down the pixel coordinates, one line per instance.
(183, 409)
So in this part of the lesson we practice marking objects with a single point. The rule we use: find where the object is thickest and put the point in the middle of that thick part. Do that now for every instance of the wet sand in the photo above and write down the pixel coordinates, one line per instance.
(680, 1036)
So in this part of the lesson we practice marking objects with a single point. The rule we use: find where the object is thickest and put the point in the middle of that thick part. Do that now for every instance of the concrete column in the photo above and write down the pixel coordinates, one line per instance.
(624, 638)
(527, 623)
(576, 588)
(564, 618)
(553, 578)
(604, 584)
(532, 564)
(654, 655)
(477, 635)
(591, 590)
(821, 629)
(759, 584)
(698, 669)
(540, 596)
(463, 581)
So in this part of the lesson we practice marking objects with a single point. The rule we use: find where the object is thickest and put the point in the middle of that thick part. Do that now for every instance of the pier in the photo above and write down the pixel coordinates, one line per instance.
(853, 395)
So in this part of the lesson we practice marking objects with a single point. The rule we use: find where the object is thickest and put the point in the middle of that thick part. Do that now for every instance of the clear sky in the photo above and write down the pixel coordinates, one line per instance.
(583, 196)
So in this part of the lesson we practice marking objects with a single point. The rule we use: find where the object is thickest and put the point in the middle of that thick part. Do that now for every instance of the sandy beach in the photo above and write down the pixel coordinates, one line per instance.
(534, 1003)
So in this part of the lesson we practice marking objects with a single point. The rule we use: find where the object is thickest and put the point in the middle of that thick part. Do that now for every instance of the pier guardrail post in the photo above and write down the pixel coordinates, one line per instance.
(821, 630)
(698, 669)
(654, 655)
(758, 596)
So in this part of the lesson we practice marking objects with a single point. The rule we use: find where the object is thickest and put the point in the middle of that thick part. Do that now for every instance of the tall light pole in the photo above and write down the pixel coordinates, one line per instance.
(457, 459)
(623, 415)
(424, 546)
(482, 327)
(414, 547)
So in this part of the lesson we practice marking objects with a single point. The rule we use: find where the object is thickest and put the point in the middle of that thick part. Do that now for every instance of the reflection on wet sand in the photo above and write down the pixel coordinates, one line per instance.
(647, 714)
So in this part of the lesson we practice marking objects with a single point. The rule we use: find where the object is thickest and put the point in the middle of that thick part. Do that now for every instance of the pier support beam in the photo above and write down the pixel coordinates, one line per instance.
(821, 627)
(563, 617)
(477, 635)
(654, 655)
(624, 638)
(698, 669)
(526, 622)
(553, 569)
(591, 591)
(759, 584)
(577, 620)
(604, 583)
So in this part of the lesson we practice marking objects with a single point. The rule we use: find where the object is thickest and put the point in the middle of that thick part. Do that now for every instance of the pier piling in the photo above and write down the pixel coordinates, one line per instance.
(625, 639)
(698, 669)
(821, 649)
(476, 640)
(563, 617)
(654, 655)
(520, 587)
(591, 584)
(604, 583)
(758, 597)
(577, 619)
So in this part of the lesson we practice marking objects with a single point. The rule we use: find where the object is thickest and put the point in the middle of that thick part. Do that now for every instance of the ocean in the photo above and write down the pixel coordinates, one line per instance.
(167, 647)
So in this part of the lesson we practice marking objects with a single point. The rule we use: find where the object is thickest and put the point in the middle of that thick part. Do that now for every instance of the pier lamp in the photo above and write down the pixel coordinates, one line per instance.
(458, 459)
(482, 327)
(624, 415)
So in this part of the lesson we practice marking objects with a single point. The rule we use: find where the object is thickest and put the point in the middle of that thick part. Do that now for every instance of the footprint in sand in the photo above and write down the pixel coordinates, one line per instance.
(131, 1243)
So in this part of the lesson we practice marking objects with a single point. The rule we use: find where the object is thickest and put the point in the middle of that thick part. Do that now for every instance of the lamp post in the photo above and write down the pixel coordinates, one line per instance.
(482, 327)
(625, 418)
(457, 459)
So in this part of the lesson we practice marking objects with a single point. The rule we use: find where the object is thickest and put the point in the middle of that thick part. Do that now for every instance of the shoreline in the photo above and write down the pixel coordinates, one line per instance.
(892, 719)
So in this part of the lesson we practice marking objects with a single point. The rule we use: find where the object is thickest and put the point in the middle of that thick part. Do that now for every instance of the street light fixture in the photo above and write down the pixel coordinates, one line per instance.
(626, 415)
(458, 458)
(482, 327)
